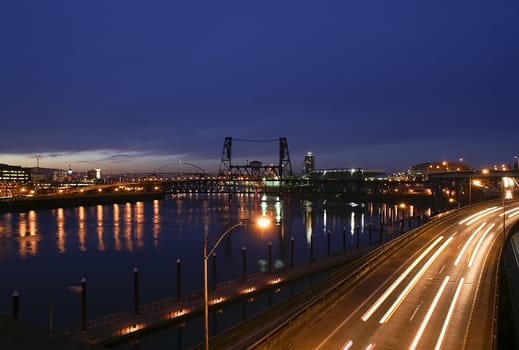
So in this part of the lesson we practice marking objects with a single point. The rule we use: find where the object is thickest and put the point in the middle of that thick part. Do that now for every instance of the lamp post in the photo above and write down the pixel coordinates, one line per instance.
(470, 190)
(506, 182)
(504, 212)
(263, 222)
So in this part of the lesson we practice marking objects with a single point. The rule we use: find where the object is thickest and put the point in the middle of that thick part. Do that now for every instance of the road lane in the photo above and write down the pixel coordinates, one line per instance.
(436, 292)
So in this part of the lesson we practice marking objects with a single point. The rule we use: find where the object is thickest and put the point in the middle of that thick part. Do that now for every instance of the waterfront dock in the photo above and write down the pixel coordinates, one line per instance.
(117, 327)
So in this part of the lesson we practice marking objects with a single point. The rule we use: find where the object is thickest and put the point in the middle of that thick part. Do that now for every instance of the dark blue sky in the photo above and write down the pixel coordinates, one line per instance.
(134, 85)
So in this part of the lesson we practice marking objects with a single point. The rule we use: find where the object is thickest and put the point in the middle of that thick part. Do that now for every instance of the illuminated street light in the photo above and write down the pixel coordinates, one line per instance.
(506, 182)
(262, 222)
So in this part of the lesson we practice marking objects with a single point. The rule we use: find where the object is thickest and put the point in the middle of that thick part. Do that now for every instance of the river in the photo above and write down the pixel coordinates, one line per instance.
(43, 253)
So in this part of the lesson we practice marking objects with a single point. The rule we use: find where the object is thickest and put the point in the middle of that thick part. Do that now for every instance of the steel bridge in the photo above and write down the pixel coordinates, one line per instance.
(255, 170)
(250, 177)
(255, 177)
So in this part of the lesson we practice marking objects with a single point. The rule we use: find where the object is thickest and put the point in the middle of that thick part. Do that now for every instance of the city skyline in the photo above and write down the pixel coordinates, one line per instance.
(300, 168)
(127, 86)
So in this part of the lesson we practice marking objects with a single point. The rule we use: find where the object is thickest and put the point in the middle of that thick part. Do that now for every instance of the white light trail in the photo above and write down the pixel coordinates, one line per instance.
(511, 212)
(429, 314)
(348, 345)
(483, 215)
(449, 315)
(474, 215)
(475, 252)
(413, 282)
(395, 284)
(467, 243)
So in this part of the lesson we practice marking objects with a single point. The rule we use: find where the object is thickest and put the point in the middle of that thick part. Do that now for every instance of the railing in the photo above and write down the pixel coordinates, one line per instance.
(109, 328)
(353, 274)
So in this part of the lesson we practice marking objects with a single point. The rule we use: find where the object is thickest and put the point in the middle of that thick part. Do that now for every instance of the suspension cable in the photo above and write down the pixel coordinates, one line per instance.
(243, 140)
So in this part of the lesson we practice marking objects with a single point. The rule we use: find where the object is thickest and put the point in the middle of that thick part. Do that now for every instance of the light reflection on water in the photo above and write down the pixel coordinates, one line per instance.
(43, 252)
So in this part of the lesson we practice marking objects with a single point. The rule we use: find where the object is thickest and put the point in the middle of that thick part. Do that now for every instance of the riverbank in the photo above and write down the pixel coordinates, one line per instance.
(68, 201)
(71, 201)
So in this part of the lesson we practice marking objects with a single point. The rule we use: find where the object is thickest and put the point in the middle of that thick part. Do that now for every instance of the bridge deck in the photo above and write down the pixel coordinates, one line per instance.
(115, 327)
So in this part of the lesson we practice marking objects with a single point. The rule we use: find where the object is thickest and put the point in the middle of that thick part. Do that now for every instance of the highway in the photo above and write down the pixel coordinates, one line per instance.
(436, 292)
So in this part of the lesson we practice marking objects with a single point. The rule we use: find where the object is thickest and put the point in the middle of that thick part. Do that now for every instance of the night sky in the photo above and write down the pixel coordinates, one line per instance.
(135, 85)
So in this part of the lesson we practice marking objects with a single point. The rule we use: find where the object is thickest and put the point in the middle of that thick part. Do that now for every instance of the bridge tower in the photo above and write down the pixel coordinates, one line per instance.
(225, 162)
(256, 170)
(285, 165)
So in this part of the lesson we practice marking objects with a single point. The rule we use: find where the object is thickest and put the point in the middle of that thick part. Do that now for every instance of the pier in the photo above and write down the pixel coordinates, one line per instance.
(117, 327)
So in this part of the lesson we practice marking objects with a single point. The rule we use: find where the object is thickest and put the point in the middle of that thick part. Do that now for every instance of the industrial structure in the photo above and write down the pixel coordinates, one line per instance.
(456, 182)
(256, 170)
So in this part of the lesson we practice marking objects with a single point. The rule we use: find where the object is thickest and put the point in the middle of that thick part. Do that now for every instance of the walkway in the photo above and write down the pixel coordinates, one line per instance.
(113, 328)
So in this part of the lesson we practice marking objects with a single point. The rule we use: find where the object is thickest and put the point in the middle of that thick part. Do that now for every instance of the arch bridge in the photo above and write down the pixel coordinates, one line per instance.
(178, 169)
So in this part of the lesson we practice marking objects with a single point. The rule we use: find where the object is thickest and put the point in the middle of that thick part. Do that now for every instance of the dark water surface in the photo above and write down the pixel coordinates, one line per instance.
(44, 252)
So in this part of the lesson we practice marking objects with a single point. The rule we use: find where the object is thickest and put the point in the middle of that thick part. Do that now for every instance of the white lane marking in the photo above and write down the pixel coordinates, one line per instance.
(415, 311)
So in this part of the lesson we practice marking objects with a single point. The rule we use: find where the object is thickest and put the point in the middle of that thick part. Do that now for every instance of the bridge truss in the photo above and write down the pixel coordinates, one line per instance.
(256, 170)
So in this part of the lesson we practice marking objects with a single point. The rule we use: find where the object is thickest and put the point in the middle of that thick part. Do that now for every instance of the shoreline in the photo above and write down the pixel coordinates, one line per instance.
(68, 201)
(36, 203)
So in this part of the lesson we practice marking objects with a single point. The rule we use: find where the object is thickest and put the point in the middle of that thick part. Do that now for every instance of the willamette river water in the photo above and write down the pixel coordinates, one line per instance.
(44, 252)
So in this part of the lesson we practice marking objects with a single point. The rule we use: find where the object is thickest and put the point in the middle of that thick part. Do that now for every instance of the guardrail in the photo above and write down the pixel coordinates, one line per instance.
(329, 295)
(114, 327)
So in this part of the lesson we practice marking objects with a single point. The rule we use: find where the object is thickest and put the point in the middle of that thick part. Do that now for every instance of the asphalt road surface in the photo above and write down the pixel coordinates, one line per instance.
(437, 292)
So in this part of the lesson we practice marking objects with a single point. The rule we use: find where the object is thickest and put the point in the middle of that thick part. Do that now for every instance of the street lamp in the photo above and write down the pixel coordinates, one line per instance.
(262, 222)
(506, 182)
(504, 215)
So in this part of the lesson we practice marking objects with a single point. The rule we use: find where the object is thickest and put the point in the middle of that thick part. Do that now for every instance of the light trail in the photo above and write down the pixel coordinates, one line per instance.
(413, 282)
(483, 215)
(427, 318)
(395, 284)
(348, 345)
(474, 215)
(449, 315)
(476, 250)
(456, 262)
(511, 213)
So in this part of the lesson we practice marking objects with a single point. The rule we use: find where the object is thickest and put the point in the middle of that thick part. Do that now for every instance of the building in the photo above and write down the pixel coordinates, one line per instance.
(350, 174)
(59, 176)
(309, 164)
(9, 173)
(422, 171)
(349, 181)
(93, 175)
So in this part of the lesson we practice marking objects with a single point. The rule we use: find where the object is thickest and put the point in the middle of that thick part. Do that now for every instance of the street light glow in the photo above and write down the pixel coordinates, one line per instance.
(263, 222)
